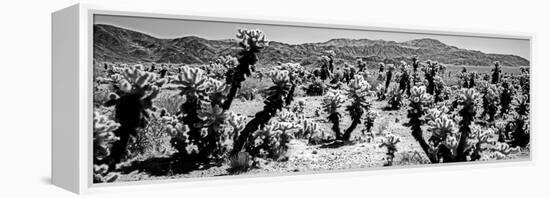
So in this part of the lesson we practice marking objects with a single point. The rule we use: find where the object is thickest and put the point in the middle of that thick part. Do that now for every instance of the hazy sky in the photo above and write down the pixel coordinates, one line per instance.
(173, 28)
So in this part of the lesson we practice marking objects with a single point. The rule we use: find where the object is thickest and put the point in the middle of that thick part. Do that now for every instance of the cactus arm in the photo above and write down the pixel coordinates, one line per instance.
(273, 103)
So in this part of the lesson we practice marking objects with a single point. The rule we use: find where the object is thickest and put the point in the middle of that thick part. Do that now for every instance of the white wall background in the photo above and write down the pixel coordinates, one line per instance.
(25, 99)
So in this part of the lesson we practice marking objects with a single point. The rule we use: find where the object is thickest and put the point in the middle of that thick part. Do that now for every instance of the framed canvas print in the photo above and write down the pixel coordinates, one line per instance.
(145, 97)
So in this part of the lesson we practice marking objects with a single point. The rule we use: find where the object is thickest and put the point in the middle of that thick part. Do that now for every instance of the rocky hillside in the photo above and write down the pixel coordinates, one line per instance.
(121, 45)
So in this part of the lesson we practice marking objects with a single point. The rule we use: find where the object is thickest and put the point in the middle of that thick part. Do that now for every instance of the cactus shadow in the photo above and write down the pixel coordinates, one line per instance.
(163, 166)
(336, 144)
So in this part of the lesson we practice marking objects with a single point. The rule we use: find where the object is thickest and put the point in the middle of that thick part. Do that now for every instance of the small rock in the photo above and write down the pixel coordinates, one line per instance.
(314, 152)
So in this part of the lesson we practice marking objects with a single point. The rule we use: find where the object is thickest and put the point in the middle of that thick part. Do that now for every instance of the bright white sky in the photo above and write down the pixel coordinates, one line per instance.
(173, 28)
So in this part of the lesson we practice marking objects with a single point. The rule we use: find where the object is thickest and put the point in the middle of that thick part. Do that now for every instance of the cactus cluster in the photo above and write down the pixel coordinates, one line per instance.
(276, 98)
(357, 92)
(203, 115)
(271, 141)
(490, 100)
(395, 97)
(251, 42)
(418, 103)
(332, 101)
(102, 174)
(133, 93)
(390, 143)
(103, 136)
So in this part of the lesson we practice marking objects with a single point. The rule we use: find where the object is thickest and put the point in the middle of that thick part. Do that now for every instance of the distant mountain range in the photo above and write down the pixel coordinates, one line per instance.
(116, 44)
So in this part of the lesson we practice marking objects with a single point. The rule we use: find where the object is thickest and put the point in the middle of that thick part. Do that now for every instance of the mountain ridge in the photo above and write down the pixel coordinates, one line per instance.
(117, 44)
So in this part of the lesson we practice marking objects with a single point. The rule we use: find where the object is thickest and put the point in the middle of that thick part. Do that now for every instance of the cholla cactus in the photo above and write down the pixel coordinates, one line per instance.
(496, 73)
(390, 142)
(103, 136)
(404, 79)
(222, 68)
(451, 143)
(395, 97)
(380, 92)
(192, 83)
(332, 101)
(467, 99)
(357, 92)
(502, 150)
(521, 103)
(389, 73)
(477, 139)
(299, 107)
(102, 174)
(361, 65)
(271, 141)
(251, 42)
(202, 114)
(252, 39)
(309, 129)
(506, 93)
(444, 139)
(415, 63)
(418, 101)
(237, 123)
(327, 66)
(275, 101)
(295, 71)
(134, 91)
(369, 122)
(440, 93)
(490, 101)
(520, 135)
(430, 72)
(437, 112)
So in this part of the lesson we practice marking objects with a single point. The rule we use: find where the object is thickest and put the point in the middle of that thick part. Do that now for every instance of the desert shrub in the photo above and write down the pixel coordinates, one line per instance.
(239, 163)
(153, 139)
(298, 107)
(315, 88)
(247, 92)
(171, 103)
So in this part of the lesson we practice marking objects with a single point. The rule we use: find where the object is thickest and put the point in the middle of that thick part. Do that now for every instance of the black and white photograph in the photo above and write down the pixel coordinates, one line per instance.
(177, 98)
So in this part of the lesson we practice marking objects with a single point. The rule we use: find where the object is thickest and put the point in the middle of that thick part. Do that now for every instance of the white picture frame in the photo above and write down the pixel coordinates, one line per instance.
(72, 48)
